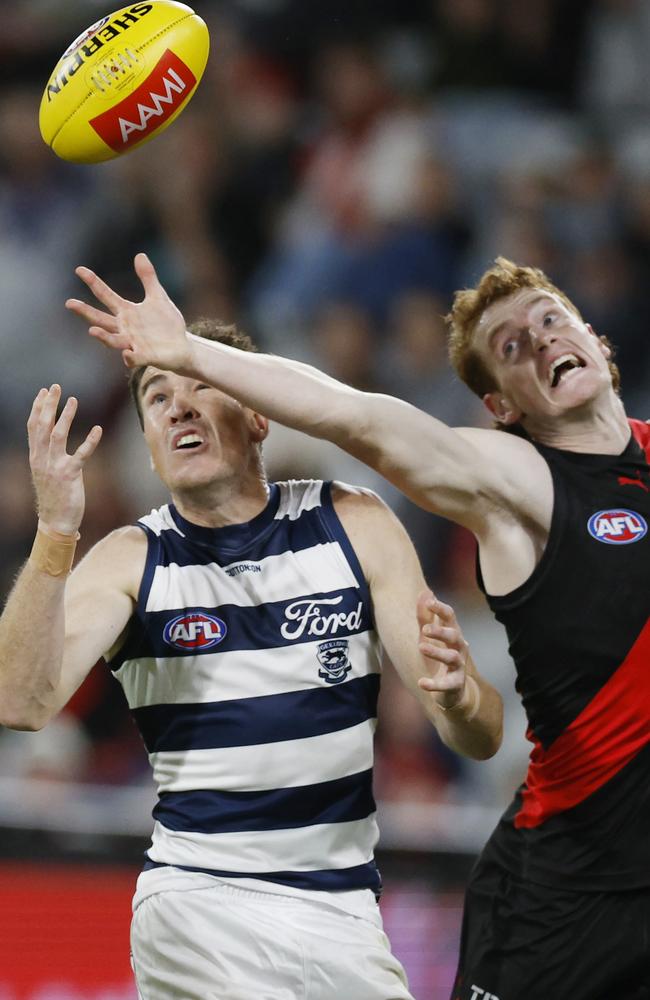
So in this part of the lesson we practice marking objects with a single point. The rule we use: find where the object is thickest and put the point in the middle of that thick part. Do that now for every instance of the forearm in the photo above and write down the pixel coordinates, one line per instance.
(288, 392)
(32, 630)
(474, 727)
(384, 432)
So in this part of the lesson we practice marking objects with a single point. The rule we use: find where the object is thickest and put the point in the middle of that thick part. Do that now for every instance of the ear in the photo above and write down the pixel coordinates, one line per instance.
(152, 463)
(501, 408)
(605, 349)
(259, 426)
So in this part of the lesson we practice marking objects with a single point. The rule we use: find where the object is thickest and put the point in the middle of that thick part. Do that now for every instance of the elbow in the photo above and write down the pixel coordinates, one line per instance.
(478, 746)
(24, 719)
(488, 751)
(491, 744)
(21, 724)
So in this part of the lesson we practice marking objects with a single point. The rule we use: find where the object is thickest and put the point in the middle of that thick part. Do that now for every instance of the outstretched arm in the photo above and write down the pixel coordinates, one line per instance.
(54, 627)
(435, 665)
(444, 470)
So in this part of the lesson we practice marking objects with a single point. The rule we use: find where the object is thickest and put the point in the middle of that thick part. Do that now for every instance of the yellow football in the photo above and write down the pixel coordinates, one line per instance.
(123, 80)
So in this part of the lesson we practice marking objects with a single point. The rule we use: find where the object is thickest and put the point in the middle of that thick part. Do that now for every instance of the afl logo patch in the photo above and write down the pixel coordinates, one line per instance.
(617, 527)
(194, 630)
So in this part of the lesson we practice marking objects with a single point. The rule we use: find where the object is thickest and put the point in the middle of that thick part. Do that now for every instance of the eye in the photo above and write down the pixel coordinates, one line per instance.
(548, 320)
(203, 387)
(509, 348)
(157, 397)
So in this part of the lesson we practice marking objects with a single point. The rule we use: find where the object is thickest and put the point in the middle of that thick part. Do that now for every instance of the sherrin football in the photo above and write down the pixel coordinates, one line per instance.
(123, 80)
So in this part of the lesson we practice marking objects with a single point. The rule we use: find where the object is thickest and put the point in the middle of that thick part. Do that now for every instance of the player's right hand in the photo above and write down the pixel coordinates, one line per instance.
(443, 644)
(151, 332)
(58, 476)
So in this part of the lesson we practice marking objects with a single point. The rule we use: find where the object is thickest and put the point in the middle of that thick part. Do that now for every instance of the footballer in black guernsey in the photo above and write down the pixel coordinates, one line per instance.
(579, 635)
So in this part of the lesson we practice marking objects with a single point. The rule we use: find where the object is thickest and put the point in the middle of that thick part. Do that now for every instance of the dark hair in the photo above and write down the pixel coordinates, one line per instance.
(209, 329)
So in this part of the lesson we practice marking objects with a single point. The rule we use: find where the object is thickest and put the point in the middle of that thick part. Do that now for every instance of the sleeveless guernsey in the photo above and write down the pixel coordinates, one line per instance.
(251, 668)
(579, 635)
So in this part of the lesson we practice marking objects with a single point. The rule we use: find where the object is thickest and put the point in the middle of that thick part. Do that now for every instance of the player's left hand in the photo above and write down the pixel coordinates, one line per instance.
(443, 644)
(151, 332)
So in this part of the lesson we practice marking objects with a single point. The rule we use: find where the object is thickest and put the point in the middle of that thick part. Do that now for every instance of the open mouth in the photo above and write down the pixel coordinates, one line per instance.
(187, 442)
(562, 367)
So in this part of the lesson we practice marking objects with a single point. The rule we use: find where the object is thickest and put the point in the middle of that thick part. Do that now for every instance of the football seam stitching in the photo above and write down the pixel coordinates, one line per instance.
(138, 49)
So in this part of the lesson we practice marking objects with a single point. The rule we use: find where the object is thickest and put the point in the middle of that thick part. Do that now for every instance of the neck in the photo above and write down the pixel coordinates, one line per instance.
(603, 431)
(217, 505)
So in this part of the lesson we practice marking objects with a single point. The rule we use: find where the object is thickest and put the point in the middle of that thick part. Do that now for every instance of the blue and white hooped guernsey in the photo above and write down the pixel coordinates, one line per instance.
(252, 670)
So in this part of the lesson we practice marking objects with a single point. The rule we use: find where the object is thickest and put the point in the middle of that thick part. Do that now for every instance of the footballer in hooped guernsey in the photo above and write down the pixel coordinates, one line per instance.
(123, 80)
(557, 495)
(245, 621)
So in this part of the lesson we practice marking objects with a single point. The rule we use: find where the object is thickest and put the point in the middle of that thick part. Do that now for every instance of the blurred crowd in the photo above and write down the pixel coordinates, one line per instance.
(343, 167)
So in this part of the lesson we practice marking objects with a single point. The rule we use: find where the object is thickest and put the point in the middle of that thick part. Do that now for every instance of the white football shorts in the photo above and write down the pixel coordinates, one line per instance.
(196, 937)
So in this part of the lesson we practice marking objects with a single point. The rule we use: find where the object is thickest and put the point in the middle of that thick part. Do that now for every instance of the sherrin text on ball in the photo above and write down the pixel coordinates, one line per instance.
(123, 80)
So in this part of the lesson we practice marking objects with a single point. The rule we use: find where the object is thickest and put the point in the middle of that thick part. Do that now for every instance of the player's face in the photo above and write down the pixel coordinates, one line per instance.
(197, 435)
(545, 360)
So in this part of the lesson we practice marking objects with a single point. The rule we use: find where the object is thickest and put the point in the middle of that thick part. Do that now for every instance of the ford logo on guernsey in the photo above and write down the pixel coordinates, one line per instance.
(617, 527)
(194, 630)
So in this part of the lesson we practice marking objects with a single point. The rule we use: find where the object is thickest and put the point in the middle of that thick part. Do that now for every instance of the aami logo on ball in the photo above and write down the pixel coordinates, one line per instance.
(194, 630)
(149, 106)
(617, 527)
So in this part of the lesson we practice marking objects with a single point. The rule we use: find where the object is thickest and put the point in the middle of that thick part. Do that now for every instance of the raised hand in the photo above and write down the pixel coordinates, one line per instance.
(442, 642)
(151, 332)
(58, 476)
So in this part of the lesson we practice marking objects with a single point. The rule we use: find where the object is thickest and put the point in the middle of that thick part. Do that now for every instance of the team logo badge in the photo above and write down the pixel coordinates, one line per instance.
(333, 658)
(194, 630)
(617, 527)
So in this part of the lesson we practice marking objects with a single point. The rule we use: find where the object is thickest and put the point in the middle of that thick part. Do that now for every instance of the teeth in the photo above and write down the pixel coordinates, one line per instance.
(561, 361)
(189, 439)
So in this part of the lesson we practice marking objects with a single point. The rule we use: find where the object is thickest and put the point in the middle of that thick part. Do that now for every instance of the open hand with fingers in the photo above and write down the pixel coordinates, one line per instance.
(444, 646)
(151, 332)
(58, 476)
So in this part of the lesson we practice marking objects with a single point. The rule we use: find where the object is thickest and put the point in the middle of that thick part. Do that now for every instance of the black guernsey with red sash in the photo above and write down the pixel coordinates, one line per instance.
(579, 634)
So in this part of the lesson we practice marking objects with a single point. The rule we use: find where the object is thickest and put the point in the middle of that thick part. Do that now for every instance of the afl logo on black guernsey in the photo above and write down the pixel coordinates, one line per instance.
(194, 630)
(617, 526)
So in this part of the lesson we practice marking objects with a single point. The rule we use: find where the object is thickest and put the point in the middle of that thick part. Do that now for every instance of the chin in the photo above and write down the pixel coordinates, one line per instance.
(587, 391)
(184, 481)
(194, 482)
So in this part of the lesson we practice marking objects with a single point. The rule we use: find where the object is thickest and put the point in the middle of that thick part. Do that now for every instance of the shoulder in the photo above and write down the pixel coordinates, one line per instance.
(353, 502)
(516, 483)
(117, 561)
(295, 496)
(504, 447)
(375, 532)
(122, 543)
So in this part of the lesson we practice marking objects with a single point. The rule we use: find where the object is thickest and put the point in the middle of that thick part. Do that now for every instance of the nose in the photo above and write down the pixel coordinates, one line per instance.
(181, 408)
(540, 338)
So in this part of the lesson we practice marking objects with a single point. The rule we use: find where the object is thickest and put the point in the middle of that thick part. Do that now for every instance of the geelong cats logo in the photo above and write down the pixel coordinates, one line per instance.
(617, 527)
(194, 630)
(333, 659)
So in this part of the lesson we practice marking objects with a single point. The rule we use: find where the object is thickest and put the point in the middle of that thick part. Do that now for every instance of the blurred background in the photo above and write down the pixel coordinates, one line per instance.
(344, 166)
